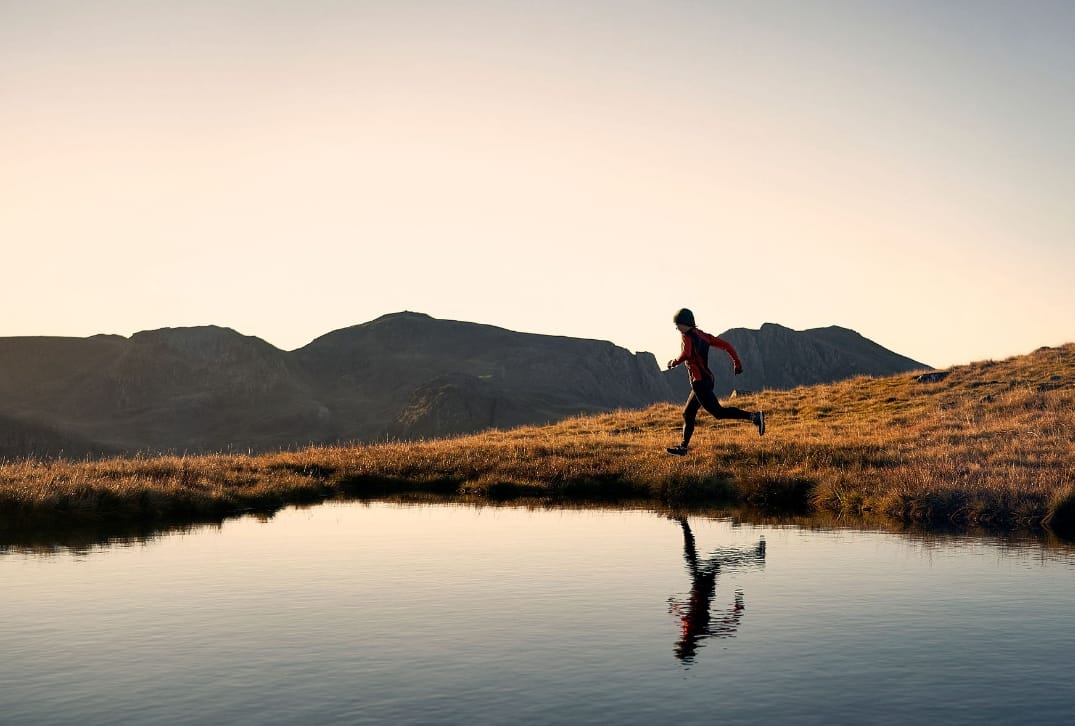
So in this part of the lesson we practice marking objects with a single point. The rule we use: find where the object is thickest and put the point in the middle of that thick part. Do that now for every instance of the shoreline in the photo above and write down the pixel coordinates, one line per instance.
(986, 445)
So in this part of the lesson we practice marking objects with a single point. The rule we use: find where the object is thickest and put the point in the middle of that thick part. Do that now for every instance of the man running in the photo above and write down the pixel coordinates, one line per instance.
(695, 353)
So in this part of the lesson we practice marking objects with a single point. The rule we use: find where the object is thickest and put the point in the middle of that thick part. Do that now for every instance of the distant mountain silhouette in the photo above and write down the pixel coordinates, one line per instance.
(409, 375)
(404, 376)
(185, 389)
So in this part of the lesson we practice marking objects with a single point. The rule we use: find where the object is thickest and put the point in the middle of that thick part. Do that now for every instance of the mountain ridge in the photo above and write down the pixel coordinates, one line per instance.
(403, 375)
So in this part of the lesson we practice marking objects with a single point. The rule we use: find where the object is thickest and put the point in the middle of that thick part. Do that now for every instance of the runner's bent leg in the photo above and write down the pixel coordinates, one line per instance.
(709, 401)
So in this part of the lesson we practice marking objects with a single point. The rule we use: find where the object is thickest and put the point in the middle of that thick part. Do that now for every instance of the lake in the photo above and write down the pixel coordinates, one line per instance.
(375, 612)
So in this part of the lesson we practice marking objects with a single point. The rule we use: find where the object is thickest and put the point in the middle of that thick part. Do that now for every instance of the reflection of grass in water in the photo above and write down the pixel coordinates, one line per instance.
(990, 445)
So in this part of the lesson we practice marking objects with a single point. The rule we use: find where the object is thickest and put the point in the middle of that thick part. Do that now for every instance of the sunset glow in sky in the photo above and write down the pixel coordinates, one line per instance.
(572, 168)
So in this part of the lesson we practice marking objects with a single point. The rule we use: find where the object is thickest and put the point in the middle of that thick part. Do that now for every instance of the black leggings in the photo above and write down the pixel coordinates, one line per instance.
(702, 396)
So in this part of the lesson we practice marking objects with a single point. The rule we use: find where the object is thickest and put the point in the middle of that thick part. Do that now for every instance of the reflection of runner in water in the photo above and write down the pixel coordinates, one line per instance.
(694, 612)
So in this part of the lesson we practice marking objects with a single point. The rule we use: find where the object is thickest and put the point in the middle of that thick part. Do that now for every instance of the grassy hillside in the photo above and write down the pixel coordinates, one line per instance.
(989, 445)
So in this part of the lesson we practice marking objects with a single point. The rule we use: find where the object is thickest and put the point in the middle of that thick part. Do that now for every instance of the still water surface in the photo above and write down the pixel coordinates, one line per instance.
(357, 613)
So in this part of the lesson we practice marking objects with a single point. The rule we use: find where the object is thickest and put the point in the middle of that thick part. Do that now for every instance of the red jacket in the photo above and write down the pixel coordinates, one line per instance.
(695, 353)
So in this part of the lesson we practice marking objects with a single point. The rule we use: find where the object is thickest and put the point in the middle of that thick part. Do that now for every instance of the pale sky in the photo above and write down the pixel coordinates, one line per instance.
(287, 168)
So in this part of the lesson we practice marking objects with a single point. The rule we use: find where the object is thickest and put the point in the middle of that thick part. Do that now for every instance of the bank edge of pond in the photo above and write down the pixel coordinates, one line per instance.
(89, 516)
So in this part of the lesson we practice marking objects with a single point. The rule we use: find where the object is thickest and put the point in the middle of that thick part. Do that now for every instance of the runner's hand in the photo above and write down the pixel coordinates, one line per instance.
(738, 370)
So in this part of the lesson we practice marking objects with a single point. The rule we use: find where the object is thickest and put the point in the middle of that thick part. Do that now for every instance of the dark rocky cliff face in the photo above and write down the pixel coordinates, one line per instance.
(402, 376)
(409, 375)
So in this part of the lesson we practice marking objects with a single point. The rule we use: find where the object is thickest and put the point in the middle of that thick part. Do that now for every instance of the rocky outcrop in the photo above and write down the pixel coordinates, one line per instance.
(457, 404)
(409, 374)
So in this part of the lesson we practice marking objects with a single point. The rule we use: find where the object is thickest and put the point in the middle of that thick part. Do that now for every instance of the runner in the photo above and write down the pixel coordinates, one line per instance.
(695, 353)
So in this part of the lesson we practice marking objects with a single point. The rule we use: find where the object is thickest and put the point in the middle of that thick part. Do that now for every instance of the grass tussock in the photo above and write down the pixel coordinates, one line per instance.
(989, 445)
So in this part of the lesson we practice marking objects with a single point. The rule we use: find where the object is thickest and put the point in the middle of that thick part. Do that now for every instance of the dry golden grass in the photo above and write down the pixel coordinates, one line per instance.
(990, 445)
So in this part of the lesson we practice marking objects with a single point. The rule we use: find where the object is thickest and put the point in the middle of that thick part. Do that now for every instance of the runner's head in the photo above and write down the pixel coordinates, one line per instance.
(684, 317)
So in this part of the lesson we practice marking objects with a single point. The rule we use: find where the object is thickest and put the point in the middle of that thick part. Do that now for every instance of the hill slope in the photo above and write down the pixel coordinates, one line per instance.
(409, 375)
